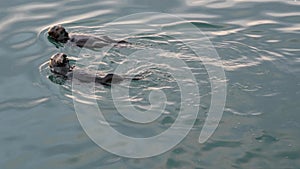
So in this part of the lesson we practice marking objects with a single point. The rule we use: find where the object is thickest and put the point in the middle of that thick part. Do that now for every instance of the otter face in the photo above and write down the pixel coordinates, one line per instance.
(58, 33)
(59, 64)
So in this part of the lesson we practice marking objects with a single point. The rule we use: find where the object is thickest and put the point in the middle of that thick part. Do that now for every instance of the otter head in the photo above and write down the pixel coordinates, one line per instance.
(59, 64)
(58, 33)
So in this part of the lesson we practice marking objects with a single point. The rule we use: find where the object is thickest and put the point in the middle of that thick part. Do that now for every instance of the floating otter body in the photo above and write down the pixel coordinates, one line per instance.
(59, 65)
(59, 34)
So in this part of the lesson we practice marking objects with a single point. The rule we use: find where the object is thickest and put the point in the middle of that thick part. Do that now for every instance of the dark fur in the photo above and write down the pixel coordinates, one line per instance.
(59, 34)
(59, 65)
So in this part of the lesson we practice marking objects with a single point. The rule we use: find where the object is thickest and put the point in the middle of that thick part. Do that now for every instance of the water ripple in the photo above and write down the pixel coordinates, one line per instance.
(22, 103)
(257, 42)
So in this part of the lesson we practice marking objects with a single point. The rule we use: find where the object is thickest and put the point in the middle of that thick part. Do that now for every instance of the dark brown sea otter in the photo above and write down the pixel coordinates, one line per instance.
(59, 34)
(59, 65)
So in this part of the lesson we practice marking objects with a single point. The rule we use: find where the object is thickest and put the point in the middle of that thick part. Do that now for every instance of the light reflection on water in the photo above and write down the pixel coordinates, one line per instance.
(257, 42)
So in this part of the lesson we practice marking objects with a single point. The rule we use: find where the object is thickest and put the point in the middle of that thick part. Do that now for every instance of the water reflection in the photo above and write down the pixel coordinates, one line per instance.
(257, 42)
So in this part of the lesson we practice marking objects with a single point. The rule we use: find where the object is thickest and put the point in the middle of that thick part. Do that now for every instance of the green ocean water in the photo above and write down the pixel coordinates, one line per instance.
(257, 42)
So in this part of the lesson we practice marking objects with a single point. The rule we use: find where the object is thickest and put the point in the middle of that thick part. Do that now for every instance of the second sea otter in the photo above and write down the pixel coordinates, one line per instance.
(59, 34)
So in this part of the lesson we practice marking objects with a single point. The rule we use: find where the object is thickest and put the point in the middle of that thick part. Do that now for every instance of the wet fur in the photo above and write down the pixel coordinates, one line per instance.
(59, 34)
(59, 65)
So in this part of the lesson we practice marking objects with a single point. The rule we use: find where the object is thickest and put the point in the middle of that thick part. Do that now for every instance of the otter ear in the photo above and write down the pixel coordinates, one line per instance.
(64, 55)
(51, 29)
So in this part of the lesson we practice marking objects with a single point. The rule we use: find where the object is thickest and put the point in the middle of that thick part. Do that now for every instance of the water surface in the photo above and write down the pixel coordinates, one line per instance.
(258, 43)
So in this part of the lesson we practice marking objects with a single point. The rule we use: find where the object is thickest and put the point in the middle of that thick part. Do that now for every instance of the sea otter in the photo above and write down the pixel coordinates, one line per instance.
(59, 65)
(59, 34)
